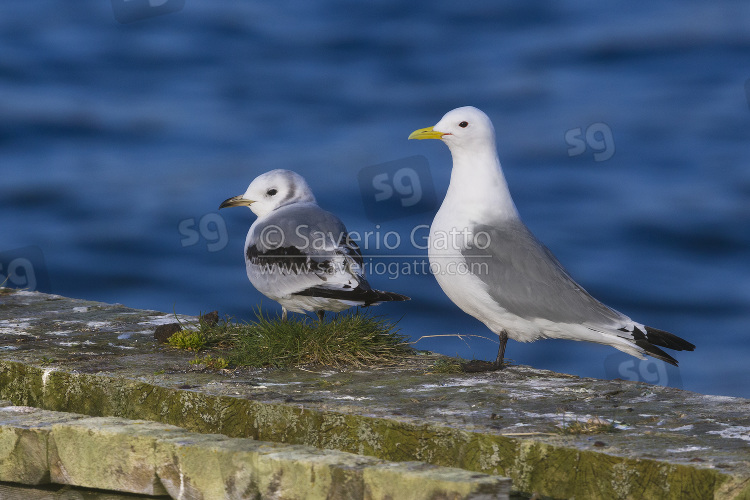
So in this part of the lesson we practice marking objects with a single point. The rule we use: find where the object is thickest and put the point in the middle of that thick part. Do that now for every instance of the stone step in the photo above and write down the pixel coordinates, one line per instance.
(554, 434)
(15, 491)
(151, 458)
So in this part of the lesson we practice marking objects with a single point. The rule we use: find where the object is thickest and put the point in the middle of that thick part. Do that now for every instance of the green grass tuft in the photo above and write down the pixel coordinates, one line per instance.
(353, 338)
(211, 363)
(187, 339)
(200, 336)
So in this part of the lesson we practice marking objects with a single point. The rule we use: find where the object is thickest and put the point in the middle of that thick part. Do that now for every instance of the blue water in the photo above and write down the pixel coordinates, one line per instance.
(117, 140)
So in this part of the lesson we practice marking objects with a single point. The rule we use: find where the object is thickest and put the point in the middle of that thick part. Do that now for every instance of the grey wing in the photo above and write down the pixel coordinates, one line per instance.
(299, 247)
(524, 277)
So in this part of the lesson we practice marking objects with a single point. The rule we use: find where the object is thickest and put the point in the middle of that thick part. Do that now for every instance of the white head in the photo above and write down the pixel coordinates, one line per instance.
(272, 190)
(461, 129)
(477, 179)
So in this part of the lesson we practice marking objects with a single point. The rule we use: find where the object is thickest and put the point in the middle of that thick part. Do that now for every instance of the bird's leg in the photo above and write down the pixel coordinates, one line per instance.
(321, 314)
(283, 313)
(501, 350)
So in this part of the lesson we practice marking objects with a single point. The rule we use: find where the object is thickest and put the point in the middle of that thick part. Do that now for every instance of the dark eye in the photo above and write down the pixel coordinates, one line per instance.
(463, 124)
(271, 192)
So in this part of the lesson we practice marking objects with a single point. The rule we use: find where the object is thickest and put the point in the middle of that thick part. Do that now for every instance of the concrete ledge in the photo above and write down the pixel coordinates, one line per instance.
(149, 458)
(101, 360)
(15, 491)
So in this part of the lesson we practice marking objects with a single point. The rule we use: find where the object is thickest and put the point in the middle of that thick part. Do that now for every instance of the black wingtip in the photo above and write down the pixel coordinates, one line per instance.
(652, 339)
(654, 351)
(668, 340)
(365, 295)
(390, 296)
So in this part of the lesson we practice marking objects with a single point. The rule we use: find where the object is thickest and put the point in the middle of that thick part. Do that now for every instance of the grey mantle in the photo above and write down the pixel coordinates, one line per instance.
(100, 360)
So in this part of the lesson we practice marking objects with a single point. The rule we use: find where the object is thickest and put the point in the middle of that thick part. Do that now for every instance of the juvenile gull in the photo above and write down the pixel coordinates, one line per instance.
(510, 280)
(298, 254)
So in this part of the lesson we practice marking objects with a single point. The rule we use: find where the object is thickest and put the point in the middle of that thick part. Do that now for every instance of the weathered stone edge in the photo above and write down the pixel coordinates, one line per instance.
(151, 458)
(557, 471)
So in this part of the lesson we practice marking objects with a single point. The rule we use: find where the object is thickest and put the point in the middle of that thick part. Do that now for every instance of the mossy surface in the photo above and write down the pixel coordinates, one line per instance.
(145, 457)
(662, 443)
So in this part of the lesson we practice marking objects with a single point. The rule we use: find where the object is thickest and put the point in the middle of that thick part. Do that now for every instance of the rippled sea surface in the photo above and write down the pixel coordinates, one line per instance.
(623, 132)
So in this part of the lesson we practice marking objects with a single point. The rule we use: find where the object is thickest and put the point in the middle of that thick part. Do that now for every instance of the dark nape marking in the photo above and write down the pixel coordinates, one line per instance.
(290, 194)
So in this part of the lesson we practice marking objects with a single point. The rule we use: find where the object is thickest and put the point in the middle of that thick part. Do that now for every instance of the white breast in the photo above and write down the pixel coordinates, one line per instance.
(459, 283)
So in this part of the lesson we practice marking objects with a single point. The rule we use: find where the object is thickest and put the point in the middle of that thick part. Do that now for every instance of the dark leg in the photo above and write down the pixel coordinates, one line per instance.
(321, 315)
(501, 350)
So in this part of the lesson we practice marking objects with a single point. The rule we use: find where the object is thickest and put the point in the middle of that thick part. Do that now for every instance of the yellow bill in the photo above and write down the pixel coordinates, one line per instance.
(426, 133)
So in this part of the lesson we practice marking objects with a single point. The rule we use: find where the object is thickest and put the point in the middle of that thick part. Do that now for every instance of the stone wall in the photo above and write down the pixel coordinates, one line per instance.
(630, 440)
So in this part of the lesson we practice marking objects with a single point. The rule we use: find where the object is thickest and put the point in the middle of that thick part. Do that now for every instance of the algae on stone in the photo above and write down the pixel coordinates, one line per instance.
(145, 457)
(501, 422)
